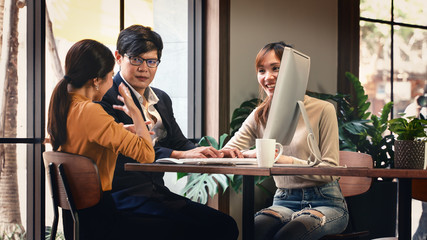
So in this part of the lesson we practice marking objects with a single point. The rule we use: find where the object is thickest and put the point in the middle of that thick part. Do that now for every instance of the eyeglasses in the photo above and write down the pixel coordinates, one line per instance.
(137, 61)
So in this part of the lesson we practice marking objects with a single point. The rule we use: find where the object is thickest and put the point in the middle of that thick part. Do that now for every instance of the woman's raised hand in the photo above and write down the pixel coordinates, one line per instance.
(125, 97)
(132, 111)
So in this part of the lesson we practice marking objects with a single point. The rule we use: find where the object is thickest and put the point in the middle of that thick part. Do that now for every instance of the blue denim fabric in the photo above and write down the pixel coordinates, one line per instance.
(421, 233)
(287, 218)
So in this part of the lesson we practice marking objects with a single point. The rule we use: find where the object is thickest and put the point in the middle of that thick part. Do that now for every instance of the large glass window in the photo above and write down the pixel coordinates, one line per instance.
(393, 52)
(102, 22)
(170, 20)
(393, 57)
(13, 189)
(13, 122)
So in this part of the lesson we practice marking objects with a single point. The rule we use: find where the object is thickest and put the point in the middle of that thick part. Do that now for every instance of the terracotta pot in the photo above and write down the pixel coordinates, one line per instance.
(409, 154)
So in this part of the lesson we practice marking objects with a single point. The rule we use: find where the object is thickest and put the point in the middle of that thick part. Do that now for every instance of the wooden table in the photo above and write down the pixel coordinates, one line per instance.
(404, 177)
(248, 172)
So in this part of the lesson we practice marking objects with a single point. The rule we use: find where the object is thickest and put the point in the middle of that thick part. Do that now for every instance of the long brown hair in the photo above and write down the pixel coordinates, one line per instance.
(86, 59)
(261, 113)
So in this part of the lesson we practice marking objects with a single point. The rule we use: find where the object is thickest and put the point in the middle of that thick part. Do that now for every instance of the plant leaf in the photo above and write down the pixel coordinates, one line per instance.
(200, 186)
(356, 127)
(241, 112)
(204, 142)
(222, 139)
(237, 122)
(222, 180)
(251, 104)
(195, 188)
(237, 182)
(180, 175)
(385, 112)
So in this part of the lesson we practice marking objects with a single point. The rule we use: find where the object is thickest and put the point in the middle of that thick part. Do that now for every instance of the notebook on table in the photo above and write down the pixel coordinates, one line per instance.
(209, 161)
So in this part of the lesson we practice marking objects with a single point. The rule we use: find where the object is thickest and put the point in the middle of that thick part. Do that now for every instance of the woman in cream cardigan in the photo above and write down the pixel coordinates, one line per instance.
(304, 207)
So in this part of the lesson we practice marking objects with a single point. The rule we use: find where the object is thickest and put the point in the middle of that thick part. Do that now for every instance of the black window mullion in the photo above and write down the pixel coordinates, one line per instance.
(392, 57)
(35, 118)
(394, 22)
(195, 68)
(21, 140)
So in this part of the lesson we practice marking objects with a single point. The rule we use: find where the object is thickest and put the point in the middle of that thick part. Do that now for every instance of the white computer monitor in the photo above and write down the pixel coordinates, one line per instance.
(290, 88)
(287, 103)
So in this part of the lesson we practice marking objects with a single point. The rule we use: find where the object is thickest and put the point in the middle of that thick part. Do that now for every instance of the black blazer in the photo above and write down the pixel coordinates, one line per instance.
(174, 139)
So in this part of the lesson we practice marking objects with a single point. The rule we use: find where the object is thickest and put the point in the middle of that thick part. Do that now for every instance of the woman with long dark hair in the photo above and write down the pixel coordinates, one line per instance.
(78, 125)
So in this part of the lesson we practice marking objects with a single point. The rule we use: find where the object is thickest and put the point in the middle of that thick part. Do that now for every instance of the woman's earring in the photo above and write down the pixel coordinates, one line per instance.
(97, 87)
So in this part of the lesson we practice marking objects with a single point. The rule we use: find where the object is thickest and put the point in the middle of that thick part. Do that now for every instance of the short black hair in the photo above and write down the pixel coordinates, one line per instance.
(137, 39)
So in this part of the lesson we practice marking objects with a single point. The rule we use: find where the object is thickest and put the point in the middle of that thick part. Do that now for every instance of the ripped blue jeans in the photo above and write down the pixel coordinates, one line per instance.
(304, 213)
(421, 233)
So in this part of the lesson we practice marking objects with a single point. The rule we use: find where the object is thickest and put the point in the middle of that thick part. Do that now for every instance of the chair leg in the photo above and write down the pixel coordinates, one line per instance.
(54, 226)
(70, 199)
(76, 226)
(55, 202)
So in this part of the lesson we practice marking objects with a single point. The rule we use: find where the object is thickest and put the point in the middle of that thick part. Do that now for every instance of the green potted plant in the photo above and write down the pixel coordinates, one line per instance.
(409, 147)
(359, 129)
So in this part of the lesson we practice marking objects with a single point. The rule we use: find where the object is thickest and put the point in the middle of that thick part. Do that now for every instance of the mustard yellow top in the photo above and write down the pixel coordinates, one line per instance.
(93, 133)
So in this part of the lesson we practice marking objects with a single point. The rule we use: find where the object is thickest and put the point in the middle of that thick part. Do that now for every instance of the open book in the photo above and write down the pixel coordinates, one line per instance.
(209, 161)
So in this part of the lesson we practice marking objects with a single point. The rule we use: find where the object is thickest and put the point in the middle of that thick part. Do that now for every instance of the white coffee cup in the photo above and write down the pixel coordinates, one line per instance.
(266, 150)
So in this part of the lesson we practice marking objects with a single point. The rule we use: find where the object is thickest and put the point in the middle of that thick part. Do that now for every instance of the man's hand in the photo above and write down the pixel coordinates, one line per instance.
(231, 153)
(199, 152)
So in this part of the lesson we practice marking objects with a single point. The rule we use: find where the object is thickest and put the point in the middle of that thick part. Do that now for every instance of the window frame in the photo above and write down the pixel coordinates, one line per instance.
(36, 26)
(391, 23)
(348, 44)
(195, 69)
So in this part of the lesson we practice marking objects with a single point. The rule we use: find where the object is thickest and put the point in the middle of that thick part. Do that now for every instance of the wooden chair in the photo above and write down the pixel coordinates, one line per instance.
(352, 186)
(75, 185)
(419, 189)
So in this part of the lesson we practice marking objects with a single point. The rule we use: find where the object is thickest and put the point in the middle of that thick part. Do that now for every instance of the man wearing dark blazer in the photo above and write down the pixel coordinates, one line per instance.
(142, 193)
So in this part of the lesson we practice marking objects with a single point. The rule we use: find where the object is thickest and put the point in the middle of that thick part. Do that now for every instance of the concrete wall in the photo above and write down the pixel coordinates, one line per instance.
(311, 26)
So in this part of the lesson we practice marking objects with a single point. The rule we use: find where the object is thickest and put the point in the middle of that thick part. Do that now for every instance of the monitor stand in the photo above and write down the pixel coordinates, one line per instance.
(313, 145)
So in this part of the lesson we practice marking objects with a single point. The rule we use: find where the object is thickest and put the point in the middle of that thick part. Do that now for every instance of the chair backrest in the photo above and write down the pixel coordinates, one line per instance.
(419, 189)
(82, 177)
(352, 186)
